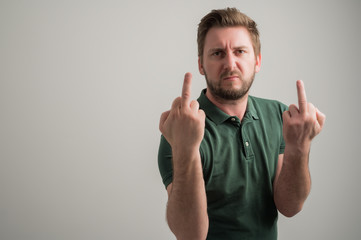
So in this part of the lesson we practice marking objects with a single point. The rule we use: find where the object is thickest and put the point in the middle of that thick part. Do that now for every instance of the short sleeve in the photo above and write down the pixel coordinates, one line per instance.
(283, 108)
(165, 164)
(282, 146)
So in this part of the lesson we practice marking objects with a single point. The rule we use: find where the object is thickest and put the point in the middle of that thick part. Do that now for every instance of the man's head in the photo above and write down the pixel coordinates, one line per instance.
(229, 17)
(229, 53)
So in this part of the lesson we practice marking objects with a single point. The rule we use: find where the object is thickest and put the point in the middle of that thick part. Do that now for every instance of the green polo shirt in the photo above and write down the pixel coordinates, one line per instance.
(239, 161)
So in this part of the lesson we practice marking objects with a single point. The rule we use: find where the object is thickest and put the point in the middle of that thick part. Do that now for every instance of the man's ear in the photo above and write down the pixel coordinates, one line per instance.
(258, 63)
(200, 66)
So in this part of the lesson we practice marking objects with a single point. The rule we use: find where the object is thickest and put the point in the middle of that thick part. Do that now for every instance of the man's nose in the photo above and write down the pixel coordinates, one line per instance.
(229, 61)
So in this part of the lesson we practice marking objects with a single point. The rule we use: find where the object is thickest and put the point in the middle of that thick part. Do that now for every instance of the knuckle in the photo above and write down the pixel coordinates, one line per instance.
(194, 103)
(186, 94)
(176, 102)
(292, 106)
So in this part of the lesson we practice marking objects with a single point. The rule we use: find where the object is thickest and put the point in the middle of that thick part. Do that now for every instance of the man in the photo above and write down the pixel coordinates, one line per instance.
(229, 161)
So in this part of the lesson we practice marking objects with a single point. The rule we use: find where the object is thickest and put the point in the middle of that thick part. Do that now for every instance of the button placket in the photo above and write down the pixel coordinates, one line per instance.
(245, 138)
(246, 143)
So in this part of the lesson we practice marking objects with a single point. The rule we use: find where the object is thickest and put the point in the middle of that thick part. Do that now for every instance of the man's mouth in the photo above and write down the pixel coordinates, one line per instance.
(231, 78)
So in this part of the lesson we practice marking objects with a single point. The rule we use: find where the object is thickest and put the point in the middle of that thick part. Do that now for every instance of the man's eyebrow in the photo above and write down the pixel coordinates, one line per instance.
(215, 50)
(241, 47)
(222, 49)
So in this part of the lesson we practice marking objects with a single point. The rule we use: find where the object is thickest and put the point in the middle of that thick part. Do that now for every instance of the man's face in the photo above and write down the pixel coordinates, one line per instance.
(229, 63)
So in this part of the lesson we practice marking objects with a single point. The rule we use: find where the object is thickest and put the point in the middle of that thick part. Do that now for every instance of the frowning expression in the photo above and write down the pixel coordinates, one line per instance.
(229, 62)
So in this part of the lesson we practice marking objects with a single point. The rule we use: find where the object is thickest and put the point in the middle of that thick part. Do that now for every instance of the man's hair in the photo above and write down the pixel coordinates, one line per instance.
(228, 17)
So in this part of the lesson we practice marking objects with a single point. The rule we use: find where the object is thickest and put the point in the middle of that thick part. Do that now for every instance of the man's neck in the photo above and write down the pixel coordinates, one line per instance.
(230, 107)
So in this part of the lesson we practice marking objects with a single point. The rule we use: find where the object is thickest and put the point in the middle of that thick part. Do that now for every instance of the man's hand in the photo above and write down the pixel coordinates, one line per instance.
(293, 183)
(183, 125)
(302, 124)
(183, 128)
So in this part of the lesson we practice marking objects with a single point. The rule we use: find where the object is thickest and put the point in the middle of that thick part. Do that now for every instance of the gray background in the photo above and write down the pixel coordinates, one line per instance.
(82, 86)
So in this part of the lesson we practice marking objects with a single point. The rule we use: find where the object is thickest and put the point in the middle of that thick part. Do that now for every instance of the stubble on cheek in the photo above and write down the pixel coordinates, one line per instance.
(229, 90)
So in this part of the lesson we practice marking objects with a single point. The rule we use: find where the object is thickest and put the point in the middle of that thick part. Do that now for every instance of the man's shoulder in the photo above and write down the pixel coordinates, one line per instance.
(264, 103)
(264, 100)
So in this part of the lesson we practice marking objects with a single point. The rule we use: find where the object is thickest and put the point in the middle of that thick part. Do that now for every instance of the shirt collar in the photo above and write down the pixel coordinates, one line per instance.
(217, 115)
(251, 109)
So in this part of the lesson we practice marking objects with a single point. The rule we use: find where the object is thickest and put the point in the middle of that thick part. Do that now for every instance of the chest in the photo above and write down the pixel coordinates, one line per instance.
(239, 161)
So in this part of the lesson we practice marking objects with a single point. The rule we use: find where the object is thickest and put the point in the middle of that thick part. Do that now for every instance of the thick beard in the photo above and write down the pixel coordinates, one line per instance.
(229, 94)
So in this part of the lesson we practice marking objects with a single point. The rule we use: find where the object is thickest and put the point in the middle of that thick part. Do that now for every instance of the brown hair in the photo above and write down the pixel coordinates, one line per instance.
(228, 17)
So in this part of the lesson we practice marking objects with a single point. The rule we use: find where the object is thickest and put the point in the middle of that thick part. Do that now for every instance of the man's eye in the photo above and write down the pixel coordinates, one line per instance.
(217, 53)
(240, 51)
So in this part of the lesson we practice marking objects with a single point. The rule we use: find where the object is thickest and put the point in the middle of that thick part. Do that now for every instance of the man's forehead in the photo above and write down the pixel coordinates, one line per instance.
(217, 37)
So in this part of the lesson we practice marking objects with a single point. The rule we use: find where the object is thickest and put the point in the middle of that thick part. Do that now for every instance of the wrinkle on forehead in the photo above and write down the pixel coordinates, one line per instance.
(228, 37)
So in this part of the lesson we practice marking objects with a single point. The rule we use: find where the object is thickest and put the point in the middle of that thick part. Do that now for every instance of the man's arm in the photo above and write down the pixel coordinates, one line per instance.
(293, 184)
(293, 181)
(183, 127)
(187, 204)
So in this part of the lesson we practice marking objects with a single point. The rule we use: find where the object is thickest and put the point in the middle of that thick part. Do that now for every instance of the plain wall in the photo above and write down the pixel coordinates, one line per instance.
(82, 87)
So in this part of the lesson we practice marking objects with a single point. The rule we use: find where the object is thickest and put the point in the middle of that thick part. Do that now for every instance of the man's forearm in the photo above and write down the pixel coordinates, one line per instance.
(294, 182)
(187, 205)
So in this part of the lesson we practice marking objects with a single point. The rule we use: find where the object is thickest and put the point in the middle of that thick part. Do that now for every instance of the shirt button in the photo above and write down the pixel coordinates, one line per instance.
(247, 144)
(233, 119)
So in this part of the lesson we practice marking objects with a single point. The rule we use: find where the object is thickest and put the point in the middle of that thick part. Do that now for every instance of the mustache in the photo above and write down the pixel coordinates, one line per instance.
(230, 73)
